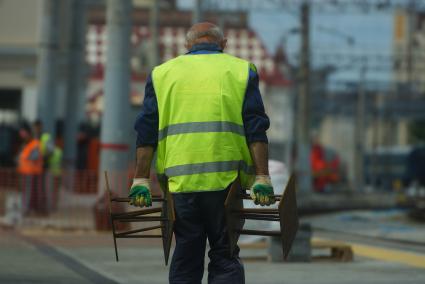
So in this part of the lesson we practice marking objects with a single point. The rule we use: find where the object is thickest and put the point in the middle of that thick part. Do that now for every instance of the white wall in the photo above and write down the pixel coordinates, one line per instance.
(29, 103)
(338, 133)
(19, 22)
(279, 108)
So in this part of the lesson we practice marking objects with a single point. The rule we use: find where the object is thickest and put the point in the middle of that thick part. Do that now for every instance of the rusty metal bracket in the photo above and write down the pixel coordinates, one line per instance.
(166, 220)
(286, 214)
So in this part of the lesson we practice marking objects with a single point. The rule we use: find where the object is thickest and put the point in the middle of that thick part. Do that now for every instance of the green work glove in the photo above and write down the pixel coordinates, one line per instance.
(262, 191)
(140, 193)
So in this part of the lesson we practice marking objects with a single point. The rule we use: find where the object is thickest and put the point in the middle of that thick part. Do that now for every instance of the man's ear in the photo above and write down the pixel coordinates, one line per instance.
(223, 43)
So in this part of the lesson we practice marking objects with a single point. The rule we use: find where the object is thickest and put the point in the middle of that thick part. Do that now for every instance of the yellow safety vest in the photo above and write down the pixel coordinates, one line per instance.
(55, 162)
(201, 140)
(54, 159)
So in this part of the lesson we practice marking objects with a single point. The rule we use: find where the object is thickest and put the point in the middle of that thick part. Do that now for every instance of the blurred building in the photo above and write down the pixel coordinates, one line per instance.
(20, 29)
(409, 50)
(409, 66)
(388, 109)
(20, 39)
(172, 26)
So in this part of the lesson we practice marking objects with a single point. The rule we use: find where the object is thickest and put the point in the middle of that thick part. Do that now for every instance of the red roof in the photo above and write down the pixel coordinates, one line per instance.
(243, 43)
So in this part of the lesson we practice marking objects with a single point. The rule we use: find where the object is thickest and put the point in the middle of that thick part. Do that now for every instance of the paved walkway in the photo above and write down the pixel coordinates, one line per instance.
(27, 260)
(88, 257)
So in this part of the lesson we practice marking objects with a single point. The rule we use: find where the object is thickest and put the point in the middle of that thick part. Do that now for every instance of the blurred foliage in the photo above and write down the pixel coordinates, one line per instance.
(417, 131)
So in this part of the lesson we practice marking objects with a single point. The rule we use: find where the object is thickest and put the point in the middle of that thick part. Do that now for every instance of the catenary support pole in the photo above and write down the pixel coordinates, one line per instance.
(115, 119)
(197, 12)
(360, 131)
(303, 166)
(47, 66)
(75, 82)
(154, 28)
(411, 26)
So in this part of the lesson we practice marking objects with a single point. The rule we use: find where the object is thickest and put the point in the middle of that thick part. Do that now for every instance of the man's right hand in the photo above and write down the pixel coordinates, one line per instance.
(140, 193)
(262, 191)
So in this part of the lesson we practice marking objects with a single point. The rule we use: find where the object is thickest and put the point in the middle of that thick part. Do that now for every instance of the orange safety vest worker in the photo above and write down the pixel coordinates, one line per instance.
(30, 160)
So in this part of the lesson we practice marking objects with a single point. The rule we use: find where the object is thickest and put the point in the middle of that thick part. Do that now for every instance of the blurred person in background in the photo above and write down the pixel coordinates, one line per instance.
(55, 167)
(206, 108)
(30, 168)
(325, 166)
(88, 157)
(9, 139)
(52, 167)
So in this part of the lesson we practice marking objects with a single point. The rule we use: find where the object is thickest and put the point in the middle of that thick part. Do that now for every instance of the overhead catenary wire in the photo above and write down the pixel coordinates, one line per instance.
(328, 6)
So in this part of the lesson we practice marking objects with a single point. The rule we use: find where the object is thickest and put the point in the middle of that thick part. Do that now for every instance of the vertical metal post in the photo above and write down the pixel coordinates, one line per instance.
(221, 21)
(411, 18)
(303, 165)
(47, 66)
(115, 120)
(359, 133)
(154, 27)
(75, 82)
(197, 12)
(108, 190)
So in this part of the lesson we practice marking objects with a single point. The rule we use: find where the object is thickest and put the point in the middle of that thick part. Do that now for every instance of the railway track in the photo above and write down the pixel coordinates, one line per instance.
(378, 240)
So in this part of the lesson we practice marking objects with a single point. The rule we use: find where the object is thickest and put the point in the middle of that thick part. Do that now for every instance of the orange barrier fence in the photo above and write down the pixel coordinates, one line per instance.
(72, 200)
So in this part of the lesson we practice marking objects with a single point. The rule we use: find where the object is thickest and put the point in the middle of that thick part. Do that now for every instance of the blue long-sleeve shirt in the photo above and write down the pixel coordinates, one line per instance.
(255, 120)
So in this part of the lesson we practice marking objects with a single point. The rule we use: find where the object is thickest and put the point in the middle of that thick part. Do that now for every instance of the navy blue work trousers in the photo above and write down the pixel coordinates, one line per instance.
(200, 215)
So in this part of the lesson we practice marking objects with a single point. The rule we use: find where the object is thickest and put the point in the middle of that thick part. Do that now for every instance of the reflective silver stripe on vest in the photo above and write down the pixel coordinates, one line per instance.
(209, 167)
(196, 127)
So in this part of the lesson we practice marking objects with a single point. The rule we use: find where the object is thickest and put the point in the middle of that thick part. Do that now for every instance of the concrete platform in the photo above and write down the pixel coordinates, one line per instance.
(22, 262)
(88, 257)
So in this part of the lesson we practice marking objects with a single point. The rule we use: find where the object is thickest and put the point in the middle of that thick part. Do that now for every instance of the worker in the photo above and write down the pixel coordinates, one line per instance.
(204, 116)
(55, 176)
(52, 167)
(30, 169)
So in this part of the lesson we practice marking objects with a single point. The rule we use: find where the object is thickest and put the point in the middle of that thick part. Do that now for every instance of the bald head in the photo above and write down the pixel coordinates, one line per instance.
(205, 33)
